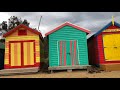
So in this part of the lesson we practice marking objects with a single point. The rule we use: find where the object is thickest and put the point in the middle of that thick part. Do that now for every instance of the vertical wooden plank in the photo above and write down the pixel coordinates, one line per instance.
(28, 53)
(9, 53)
(31, 54)
(75, 52)
(34, 50)
(69, 61)
(60, 53)
(71, 52)
(25, 53)
(15, 54)
(19, 54)
(22, 54)
(65, 53)
(12, 54)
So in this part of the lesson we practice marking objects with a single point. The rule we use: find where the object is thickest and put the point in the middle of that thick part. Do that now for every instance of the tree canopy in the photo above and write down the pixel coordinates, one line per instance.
(13, 21)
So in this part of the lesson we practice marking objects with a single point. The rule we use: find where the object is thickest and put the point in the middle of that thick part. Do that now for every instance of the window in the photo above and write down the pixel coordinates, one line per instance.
(22, 32)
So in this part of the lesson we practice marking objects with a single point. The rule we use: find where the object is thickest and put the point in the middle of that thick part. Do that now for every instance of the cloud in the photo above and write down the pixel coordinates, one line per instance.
(90, 20)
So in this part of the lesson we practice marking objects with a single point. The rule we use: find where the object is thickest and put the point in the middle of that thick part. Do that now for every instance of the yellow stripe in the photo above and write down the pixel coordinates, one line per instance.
(23, 37)
(37, 59)
(12, 54)
(19, 54)
(6, 50)
(15, 54)
(37, 48)
(6, 61)
(25, 53)
(31, 53)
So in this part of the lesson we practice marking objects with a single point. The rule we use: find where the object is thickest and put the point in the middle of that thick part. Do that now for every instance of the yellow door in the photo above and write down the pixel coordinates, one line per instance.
(15, 54)
(21, 54)
(28, 53)
(111, 47)
(117, 46)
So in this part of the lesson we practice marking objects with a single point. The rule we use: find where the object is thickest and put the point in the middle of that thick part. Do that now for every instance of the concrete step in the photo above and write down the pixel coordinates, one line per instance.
(19, 71)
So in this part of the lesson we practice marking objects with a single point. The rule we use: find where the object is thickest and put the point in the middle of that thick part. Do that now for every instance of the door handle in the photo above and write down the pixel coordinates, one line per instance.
(68, 53)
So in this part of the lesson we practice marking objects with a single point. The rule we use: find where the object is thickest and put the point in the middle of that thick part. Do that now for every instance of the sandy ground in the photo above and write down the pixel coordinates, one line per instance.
(73, 74)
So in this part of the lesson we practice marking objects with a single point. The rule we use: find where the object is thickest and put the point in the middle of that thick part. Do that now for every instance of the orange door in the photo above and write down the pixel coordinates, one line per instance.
(28, 53)
(22, 54)
(15, 54)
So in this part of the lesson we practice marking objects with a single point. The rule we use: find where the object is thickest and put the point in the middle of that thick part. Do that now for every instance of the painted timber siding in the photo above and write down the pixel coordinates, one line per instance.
(100, 48)
(67, 33)
(97, 42)
(22, 49)
(93, 51)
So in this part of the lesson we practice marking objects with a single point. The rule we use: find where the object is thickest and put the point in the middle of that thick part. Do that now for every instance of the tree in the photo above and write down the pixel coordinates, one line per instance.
(3, 26)
(14, 21)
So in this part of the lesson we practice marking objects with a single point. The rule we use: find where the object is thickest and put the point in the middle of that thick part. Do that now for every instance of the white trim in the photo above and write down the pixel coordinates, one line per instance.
(58, 53)
(76, 25)
(69, 23)
(77, 48)
(78, 53)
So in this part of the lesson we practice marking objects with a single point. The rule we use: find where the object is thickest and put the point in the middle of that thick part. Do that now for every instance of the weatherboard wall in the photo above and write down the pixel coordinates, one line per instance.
(96, 46)
(93, 51)
(13, 44)
(67, 33)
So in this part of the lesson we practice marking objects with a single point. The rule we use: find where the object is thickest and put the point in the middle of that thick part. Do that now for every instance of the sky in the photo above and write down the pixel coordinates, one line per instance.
(93, 21)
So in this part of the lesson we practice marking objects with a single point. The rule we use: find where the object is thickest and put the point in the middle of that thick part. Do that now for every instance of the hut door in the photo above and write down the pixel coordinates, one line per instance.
(28, 53)
(22, 53)
(68, 53)
(15, 54)
(111, 47)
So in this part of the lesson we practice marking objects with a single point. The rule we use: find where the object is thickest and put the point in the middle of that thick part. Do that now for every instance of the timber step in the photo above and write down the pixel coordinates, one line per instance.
(19, 71)
(68, 68)
(110, 67)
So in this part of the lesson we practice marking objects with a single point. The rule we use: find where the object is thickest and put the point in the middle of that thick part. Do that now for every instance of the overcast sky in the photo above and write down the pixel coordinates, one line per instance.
(93, 21)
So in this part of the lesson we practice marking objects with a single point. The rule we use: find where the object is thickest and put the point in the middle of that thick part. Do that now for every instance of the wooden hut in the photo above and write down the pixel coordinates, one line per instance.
(67, 47)
(22, 48)
(104, 47)
(2, 50)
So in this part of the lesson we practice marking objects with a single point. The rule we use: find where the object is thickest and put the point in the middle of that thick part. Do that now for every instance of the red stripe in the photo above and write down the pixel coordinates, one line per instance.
(22, 41)
(75, 50)
(25, 66)
(28, 54)
(117, 32)
(22, 55)
(64, 53)
(60, 52)
(71, 52)
(15, 54)
(9, 54)
(113, 27)
(34, 53)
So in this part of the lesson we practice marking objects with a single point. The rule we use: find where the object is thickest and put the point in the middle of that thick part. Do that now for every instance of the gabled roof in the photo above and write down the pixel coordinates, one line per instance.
(22, 26)
(68, 24)
(106, 26)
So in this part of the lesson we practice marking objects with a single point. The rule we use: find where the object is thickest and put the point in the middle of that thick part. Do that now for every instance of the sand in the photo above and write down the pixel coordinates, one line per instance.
(65, 74)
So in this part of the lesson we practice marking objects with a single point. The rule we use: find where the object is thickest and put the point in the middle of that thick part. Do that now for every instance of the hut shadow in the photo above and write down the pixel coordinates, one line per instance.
(2, 59)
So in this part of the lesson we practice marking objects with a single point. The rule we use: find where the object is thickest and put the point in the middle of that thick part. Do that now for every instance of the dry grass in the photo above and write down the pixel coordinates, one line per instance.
(64, 74)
